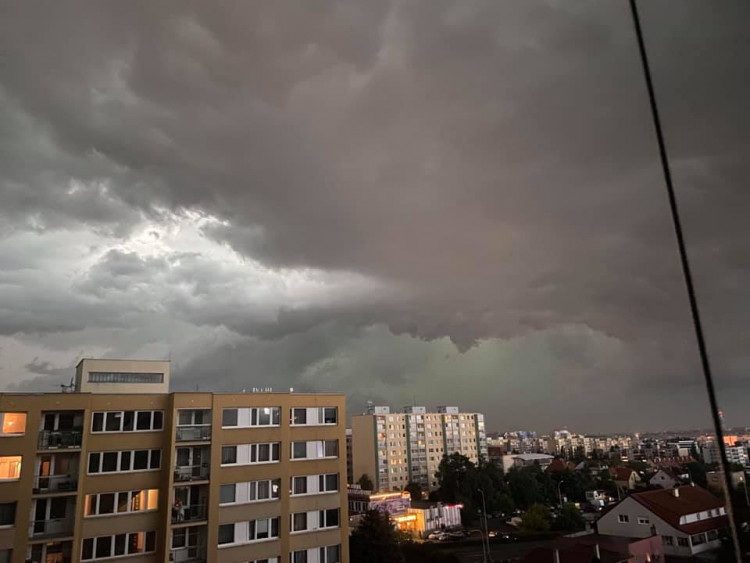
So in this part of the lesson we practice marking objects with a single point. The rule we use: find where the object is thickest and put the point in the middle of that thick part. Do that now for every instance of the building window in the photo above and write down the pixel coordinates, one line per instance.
(116, 377)
(623, 518)
(299, 522)
(698, 539)
(667, 540)
(226, 534)
(328, 554)
(643, 520)
(127, 421)
(251, 417)
(12, 424)
(124, 461)
(121, 502)
(10, 467)
(314, 416)
(683, 542)
(194, 417)
(315, 520)
(248, 454)
(315, 449)
(104, 547)
(250, 491)
(7, 514)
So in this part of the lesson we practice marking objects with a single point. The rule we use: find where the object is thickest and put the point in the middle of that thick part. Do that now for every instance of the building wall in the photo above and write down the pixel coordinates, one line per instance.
(86, 366)
(163, 479)
(364, 457)
(609, 524)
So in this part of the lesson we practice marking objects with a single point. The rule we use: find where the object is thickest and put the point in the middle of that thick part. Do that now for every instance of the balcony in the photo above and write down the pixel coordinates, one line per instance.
(55, 484)
(187, 473)
(189, 514)
(51, 528)
(198, 433)
(59, 439)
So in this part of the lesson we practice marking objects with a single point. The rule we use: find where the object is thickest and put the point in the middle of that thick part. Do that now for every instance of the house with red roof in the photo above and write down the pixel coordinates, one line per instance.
(624, 477)
(689, 519)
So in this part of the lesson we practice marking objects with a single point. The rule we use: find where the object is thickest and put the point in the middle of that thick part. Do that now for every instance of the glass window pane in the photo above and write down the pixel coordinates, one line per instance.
(124, 461)
(331, 448)
(275, 451)
(94, 463)
(120, 544)
(140, 459)
(264, 490)
(229, 417)
(97, 423)
(87, 551)
(300, 485)
(106, 503)
(299, 521)
(299, 450)
(155, 461)
(264, 452)
(127, 422)
(150, 541)
(158, 420)
(103, 547)
(143, 421)
(113, 423)
(329, 416)
(109, 462)
(228, 454)
(299, 416)
(227, 493)
(122, 501)
(226, 533)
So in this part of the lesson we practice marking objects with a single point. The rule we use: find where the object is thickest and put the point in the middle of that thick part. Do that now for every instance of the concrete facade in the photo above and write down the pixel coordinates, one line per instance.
(159, 466)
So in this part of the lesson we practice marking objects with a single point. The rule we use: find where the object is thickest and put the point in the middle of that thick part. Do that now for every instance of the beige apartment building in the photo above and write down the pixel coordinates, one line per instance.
(119, 467)
(397, 448)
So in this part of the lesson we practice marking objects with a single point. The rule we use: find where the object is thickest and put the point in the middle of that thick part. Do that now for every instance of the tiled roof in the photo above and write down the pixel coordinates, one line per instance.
(664, 504)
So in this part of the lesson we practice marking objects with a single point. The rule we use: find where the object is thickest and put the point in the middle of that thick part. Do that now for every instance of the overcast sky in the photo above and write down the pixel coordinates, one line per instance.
(431, 201)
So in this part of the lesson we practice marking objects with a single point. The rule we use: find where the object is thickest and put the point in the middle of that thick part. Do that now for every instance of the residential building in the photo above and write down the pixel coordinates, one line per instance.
(102, 473)
(689, 519)
(735, 453)
(390, 502)
(665, 479)
(715, 479)
(349, 459)
(585, 548)
(524, 460)
(624, 477)
(395, 449)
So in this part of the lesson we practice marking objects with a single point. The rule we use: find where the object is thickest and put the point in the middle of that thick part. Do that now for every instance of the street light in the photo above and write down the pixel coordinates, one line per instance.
(486, 527)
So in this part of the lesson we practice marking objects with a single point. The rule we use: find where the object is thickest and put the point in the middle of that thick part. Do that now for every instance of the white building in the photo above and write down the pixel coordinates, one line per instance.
(687, 518)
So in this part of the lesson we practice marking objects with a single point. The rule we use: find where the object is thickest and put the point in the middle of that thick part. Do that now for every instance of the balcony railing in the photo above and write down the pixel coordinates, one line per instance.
(192, 513)
(55, 483)
(193, 433)
(192, 554)
(52, 528)
(59, 439)
(191, 473)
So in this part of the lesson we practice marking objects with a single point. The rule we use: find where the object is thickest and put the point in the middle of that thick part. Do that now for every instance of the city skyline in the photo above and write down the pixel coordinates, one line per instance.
(400, 202)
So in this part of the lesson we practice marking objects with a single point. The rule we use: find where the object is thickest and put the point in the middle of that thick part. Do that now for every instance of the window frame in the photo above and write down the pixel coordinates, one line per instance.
(153, 454)
(99, 419)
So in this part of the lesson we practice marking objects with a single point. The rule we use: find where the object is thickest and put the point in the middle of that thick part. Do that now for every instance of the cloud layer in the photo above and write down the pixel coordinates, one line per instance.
(431, 201)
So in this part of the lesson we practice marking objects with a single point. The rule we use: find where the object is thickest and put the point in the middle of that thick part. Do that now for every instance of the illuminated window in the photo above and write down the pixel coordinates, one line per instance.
(10, 467)
(12, 423)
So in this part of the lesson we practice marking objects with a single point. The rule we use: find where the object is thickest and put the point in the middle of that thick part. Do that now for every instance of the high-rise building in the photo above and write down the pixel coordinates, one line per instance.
(395, 449)
(119, 466)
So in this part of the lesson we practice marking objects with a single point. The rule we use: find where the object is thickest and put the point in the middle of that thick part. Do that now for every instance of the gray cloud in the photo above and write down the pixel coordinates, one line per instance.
(479, 172)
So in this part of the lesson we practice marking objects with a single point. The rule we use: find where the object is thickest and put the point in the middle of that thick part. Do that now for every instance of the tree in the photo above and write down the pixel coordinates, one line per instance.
(375, 540)
(415, 490)
(697, 473)
(570, 519)
(365, 482)
(536, 519)
(525, 489)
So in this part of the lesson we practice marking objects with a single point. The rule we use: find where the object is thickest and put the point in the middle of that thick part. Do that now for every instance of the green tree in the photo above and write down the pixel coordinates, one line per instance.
(525, 489)
(697, 472)
(415, 490)
(569, 519)
(535, 519)
(375, 540)
(365, 482)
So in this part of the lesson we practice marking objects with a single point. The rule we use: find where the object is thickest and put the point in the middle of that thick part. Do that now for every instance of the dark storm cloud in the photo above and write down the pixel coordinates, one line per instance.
(492, 162)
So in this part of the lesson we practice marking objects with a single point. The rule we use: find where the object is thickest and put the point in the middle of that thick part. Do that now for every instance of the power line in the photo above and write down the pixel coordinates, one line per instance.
(686, 272)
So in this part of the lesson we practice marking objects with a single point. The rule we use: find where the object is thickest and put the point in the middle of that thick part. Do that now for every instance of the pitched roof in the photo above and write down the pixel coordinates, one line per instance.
(621, 473)
(668, 507)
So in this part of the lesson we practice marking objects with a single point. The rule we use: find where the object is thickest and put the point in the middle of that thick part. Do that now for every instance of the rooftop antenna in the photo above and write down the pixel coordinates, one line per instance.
(69, 388)
(726, 472)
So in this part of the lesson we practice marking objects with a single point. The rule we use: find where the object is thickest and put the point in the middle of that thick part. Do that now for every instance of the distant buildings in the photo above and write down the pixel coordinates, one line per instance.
(735, 453)
(689, 519)
(395, 449)
(417, 517)
(524, 460)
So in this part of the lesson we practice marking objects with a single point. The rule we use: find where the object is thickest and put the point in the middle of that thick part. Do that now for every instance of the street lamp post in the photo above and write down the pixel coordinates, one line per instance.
(559, 493)
(486, 527)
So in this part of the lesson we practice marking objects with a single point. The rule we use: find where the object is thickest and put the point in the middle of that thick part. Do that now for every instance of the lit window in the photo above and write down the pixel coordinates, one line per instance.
(13, 423)
(10, 467)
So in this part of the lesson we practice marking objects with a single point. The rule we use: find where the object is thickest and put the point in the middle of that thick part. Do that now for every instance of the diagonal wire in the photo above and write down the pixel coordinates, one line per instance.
(697, 325)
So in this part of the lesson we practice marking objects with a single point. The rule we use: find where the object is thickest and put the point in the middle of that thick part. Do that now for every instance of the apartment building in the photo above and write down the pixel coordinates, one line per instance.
(397, 448)
(122, 467)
